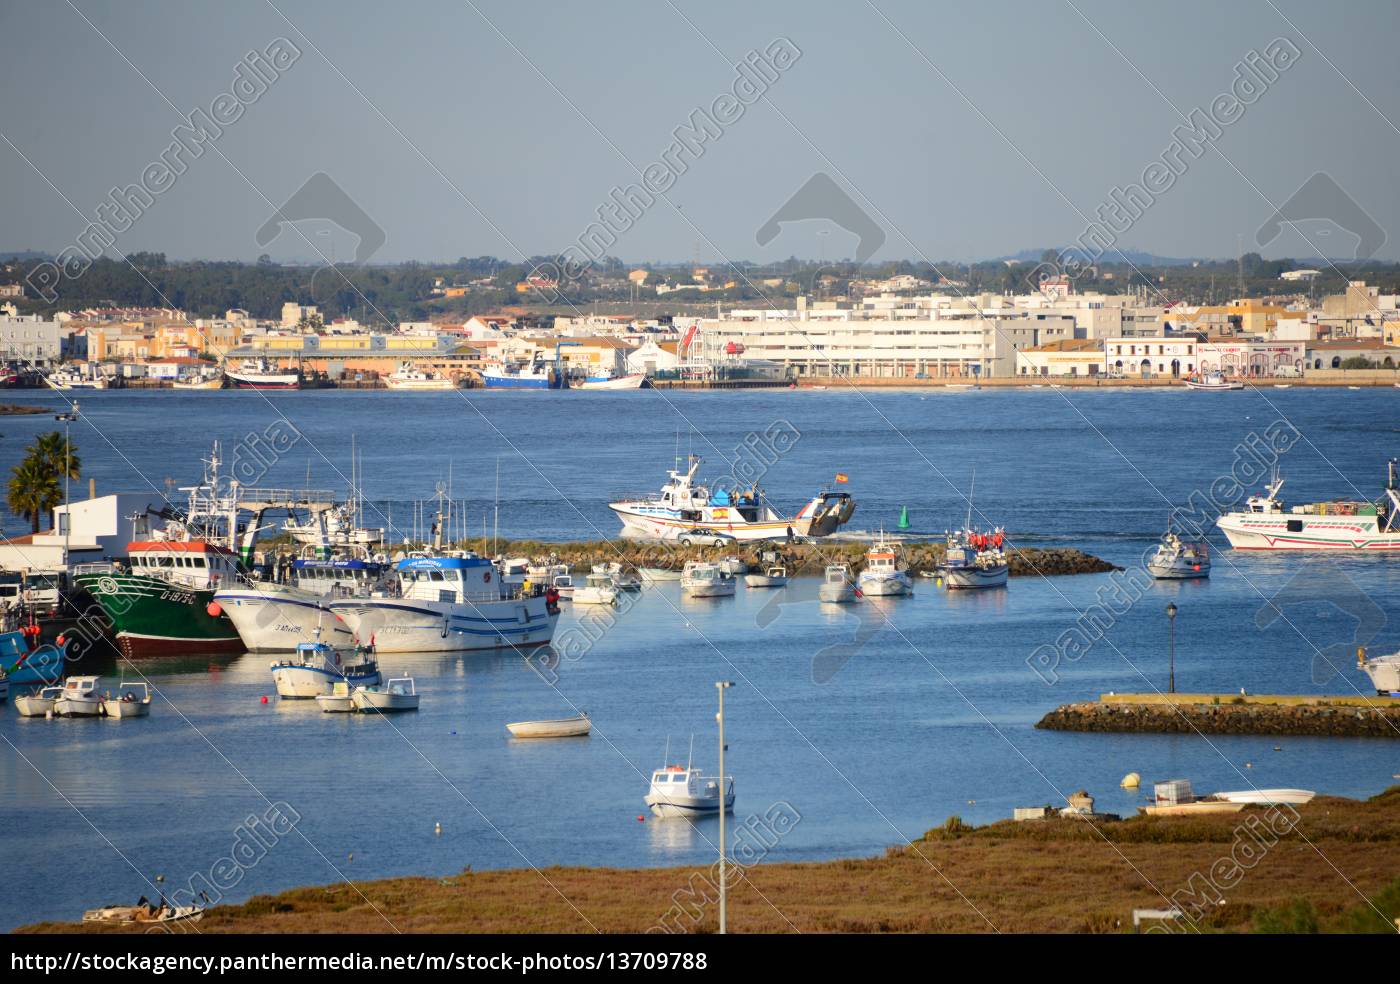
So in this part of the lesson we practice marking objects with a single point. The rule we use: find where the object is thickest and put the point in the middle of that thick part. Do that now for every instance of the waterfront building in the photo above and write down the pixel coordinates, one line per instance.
(1235, 356)
(1167, 356)
(1065, 357)
(32, 339)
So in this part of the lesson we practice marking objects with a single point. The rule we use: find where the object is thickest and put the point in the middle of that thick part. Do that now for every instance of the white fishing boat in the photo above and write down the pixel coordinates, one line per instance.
(975, 560)
(397, 694)
(84, 376)
(683, 791)
(1213, 381)
(613, 381)
(315, 667)
(439, 604)
(1267, 797)
(131, 700)
(338, 701)
(333, 529)
(1179, 560)
(701, 579)
(274, 618)
(1384, 672)
(773, 577)
(537, 375)
(733, 565)
(682, 505)
(38, 704)
(79, 698)
(1267, 524)
(408, 379)
(597, 589)
(836, 587)
(261, 374)
(882, 575)
(574, 727)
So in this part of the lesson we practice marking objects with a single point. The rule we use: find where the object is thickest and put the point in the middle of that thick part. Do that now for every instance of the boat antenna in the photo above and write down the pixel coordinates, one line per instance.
(496, 524)
(690, 761)
(666, 756)
(970, 490)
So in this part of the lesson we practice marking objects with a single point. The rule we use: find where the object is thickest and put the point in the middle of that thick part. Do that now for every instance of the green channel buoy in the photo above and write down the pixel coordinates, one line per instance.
(904, 517)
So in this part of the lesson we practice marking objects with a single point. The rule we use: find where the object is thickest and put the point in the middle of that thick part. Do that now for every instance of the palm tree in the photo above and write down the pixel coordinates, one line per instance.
(34, 490)
(57, 454)
(36, 483)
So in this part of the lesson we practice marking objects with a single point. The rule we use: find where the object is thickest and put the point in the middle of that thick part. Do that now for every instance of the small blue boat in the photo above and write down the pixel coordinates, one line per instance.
(41, 666)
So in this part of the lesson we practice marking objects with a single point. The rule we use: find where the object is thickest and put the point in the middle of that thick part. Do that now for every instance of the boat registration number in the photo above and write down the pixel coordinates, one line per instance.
(183, 597)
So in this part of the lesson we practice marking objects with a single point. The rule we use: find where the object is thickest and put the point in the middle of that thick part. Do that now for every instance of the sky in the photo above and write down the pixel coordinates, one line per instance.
(958, 131)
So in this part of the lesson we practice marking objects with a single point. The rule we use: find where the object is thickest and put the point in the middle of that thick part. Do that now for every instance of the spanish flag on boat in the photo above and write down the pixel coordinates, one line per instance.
(842, 478)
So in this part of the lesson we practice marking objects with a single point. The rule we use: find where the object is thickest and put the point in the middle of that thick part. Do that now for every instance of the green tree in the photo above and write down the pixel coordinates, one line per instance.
(56, 454)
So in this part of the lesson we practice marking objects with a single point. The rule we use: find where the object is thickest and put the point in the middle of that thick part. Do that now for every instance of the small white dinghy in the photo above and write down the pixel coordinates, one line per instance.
(338, 700)
(574, 727)
(79, 698)
(658, 574)
(1267, 797)
(144, 912)
(836, 587)
(398, 694)
(132, 700)
(774, 577)
(38, 704)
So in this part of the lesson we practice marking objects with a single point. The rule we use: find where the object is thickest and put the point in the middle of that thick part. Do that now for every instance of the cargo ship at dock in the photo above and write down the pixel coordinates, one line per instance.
(1266, 523)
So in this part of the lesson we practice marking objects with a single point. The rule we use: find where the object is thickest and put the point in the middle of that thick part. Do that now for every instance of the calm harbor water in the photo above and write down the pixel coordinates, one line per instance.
(932, 715)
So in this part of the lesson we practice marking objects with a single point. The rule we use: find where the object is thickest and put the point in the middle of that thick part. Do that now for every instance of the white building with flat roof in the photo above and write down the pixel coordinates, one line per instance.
(30, 338)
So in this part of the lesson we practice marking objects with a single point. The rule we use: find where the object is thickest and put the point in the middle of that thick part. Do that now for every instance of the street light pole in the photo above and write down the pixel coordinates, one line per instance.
(1171, 647)
(68, 418)
(722, 686)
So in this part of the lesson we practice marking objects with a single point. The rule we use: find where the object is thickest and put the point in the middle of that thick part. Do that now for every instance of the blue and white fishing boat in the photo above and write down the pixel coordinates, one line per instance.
(23, 666)
(274, 618)
(537, 375)
(447, 604)
(975, 560)
(316, 666)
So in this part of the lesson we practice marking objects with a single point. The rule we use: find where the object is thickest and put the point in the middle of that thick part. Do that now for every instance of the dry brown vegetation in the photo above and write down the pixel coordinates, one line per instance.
(1062, 876)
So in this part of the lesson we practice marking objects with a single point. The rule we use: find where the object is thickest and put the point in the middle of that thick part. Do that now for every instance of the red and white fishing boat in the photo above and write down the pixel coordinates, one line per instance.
(1267, 524)
(1215, 381)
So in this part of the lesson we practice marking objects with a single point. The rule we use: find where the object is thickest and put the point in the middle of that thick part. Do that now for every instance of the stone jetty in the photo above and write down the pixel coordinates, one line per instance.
(1231, 714)
(798, 558)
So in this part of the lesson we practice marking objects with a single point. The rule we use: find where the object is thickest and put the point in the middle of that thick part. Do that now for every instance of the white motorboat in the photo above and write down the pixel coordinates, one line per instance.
(1213, 381)
(87, 376)
(1179, 560)
(261, 374)
(198, 383)
(975, 560)
(836, 587)
(733, 565)
(574, 727)
(131, 700)
(613, 381)
(683, 505)
(1384, 672)
(1267, 524)
(408, 379)
(315, 667)
(397, 694)
(144, 912)
(338, 701)
(621, 579)
(597, 589)
(333, 528)
(882, 575)
(441, 604)
(38, 704)
(563, 585)
(1267, 797)
(773, 577)
(678, 791)
(701, 579)
(659, 574)
(79, 698)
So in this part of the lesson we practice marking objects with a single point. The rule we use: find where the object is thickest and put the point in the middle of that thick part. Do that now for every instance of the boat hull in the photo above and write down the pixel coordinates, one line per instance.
(885, 587)
(1292, 531)
(304, 682)
(418, 385)
(973, 578)
(151, 617)
(765, 581)
(274, 381)
(619, 383)
(1178, 570)
(275, 619)
(575, 727)
(32, 706)
(671, 805)
(708, 589)
(400, 625)
(836, 594)
(126, 708)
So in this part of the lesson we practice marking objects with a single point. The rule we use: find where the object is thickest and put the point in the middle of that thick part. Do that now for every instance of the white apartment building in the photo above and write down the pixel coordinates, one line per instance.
(887, 338)
(30, 338)
(1130, 355)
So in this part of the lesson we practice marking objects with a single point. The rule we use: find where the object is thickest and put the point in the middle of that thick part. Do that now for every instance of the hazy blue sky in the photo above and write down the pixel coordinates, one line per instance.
(476, 116)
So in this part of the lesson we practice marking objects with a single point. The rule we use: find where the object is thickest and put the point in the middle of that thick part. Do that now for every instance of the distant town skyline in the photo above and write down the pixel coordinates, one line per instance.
(668, 134)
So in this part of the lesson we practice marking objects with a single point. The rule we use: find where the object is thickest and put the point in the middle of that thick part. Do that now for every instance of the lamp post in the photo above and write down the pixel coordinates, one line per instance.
(68, 418)
(722, 686)
(1171, 647)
